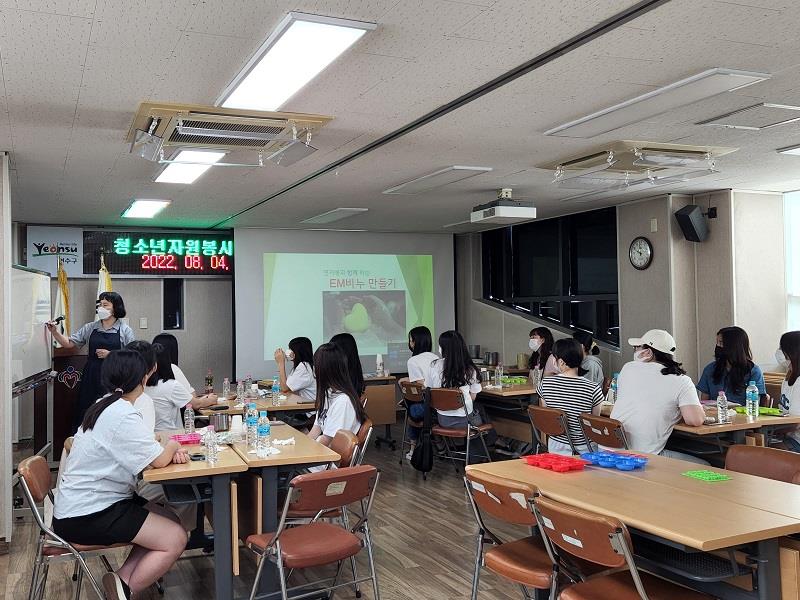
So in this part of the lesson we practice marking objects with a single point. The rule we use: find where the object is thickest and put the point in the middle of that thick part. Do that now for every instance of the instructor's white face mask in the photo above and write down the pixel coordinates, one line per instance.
(103, 313)
(641, 355)
(781, 359)
(534, 344)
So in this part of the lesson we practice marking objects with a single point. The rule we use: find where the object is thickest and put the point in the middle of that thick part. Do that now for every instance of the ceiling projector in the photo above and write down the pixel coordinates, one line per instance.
(503, 211)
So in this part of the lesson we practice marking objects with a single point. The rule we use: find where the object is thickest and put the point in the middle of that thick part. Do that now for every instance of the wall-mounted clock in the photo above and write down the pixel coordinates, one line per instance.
(640, 253)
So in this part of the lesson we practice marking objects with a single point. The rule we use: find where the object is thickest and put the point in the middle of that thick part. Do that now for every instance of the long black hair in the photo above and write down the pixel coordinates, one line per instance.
(584, 338)
(163, 370)
(117, 304)
(790, 344)
(539, 357)
(146, 350)
(458, 366)
(671, 366)
(347, 344)
(423, 341)
(170, 343)
(331, 371)
(123, 371)
(735, 354)
(303, 351)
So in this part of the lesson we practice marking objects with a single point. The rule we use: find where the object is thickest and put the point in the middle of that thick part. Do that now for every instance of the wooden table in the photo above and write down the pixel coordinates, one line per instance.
(507, 408)
(696, 515)
(304, 453)
(739, 425)
(291, 403)
(524, 390)
(219, 475)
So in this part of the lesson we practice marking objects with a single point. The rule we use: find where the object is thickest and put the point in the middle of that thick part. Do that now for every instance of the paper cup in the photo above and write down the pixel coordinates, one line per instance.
(236, 423)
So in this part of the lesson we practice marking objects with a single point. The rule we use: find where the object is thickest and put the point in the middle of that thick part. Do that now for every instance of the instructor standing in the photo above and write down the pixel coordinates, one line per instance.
(103, 336)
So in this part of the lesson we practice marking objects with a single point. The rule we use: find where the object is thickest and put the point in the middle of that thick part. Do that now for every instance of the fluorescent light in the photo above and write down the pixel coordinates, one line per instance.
(188, 165)
(436, 179)
(299, 48)
(686, 91)
(337, 214)
(144, 209)
(793, 150)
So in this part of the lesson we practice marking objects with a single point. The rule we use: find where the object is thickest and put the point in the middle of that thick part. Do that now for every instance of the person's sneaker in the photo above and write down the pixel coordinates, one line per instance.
(115, 588)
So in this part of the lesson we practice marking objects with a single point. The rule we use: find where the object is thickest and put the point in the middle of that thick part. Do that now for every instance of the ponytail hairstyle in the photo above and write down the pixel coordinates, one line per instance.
(333, 377)
(671, 366)
(123, 371)
(584, 338)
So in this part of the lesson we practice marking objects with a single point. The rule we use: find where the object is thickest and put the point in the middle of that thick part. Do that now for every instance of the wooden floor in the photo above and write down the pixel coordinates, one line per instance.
(423, 533)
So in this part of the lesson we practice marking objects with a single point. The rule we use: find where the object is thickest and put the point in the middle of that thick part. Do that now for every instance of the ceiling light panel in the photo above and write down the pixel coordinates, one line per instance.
(680, 93)
(299, 48)
(144, 209)
(188, 165)
(436, 179)
(337, 214)
(792, 150)
(757, 117)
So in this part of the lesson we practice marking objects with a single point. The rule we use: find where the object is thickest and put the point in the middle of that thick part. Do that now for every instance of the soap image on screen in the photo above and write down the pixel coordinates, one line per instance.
(374, 318)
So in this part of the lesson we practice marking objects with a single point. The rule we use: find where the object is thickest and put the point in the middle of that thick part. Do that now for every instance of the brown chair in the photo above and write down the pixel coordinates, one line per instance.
(364, 435)
(574, 533)
(771, 463)
(34, 479)
(604, 431)
(411, 392)
(549, 421)
(345, 444)
(453, 399)
(606, 386)
(525, 561)
(318, 543)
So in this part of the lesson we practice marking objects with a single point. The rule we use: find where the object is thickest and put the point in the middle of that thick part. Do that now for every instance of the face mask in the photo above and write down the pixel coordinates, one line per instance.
(440, 351)
(103, 313)
(719, 352)
(781, 359)
(641, 355)
(534, 344)
(290, 355)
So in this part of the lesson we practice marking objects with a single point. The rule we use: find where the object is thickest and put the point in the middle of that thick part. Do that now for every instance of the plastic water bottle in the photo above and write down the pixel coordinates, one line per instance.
(722, 407)
(226, 388)
(752, 400)
(264, 432)
(240, 391)
(188, 419)
(210, 442)
(498, 375)
(209, 386)
(276, 391)
(251, 424)
(613, 390)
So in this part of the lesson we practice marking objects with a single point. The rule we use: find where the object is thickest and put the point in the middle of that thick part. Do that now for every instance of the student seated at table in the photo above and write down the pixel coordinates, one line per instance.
(170, 344)
(338, 405)
(95, 502)
(733, 368)
(169, 395)
(654, 394)
(788, 357)
(144, 403)
(420, 342)
(541, 345)
(456, 370)
(591, 365)
(571, 392)
(347, 344)
(301, 380)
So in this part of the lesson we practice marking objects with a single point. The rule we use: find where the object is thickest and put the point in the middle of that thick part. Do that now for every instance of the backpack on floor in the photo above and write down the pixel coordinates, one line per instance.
(422, 457)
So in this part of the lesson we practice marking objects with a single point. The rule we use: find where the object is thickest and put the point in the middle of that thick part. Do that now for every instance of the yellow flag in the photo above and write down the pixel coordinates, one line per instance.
(62, 303)
(103, 281)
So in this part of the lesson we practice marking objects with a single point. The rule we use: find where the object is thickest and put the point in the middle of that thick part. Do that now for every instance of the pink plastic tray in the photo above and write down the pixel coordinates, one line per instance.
(555, 462)
(187, 439)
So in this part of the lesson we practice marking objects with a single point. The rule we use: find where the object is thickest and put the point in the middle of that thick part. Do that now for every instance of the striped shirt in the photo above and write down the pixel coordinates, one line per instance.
(573, 395)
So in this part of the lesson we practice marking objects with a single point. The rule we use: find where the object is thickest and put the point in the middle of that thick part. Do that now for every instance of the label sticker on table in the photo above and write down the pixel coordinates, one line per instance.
(520, 499)
(336, 489)
(547, 523)
(478, 487)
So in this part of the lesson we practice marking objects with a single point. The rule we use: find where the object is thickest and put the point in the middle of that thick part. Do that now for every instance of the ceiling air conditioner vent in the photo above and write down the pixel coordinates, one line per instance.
(201, 133)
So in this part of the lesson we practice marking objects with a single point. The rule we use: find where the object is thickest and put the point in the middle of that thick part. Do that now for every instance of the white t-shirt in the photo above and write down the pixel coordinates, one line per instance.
(433, 379)
(144, 404)
(790, 401)
(169, 397)
(179, 376)
(102, 466)
(648, 404)
(302, 382)
(339, 414)
(420, 365)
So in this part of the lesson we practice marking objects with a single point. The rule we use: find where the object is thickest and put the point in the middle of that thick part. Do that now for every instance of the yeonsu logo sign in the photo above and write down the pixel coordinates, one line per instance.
(45, 245)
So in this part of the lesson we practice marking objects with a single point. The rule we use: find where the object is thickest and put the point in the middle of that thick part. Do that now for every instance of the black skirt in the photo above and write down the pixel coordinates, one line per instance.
(118, 524)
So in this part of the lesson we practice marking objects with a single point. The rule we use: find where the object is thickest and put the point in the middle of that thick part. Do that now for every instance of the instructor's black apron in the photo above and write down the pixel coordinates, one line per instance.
(91, 386)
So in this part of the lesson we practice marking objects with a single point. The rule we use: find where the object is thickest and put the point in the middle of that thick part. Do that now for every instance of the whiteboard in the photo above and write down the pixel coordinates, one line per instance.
(30, 310)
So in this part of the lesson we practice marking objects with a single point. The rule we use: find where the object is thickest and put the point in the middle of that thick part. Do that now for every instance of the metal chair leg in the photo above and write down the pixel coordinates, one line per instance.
(376, 594)
(466, 455)
(106, 564)
(485, 447)
(403, 443)
(42, 581)
(78, 585)
(37, 566)
(357, 587)
(281, 573)
(264, 559)
(75, 571)
(477, 574)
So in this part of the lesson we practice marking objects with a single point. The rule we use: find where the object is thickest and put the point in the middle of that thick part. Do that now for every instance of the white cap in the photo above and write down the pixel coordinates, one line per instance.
(658, 339)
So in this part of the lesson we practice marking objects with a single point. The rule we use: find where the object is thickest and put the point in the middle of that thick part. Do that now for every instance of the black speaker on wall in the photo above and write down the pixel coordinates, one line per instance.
(692, 223)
